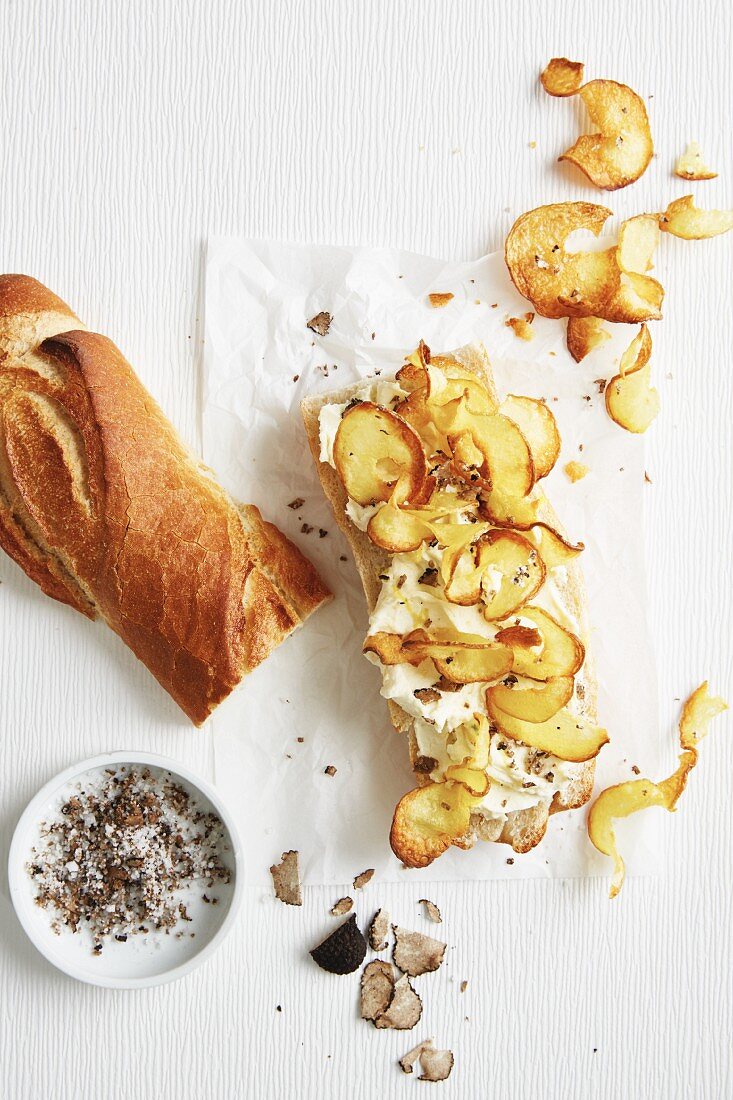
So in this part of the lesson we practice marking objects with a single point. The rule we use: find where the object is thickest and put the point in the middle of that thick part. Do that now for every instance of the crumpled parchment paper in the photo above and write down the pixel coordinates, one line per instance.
(315, 702)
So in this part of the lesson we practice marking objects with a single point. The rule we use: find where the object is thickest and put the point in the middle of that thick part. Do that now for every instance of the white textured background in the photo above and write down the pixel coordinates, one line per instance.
(132, 131)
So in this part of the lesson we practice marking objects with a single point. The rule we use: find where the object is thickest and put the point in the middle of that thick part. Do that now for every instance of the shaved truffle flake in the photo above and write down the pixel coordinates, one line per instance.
(286, 879)
(415, 953)
(377, 988)
(378, 930)
(436, 1065)
(404, 1009)
(407, 1061)
(320, 324)
(363, 878)
(342, 906)
(431, 911)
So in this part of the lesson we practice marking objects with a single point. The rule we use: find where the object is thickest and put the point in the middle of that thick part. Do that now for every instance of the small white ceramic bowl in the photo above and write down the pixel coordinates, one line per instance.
(142, 960)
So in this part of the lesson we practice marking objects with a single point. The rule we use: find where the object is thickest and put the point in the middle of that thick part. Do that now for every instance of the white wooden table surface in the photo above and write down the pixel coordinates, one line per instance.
(132, 131)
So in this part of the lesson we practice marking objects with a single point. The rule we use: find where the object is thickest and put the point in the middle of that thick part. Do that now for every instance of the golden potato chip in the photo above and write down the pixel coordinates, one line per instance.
(554, 548)
(559, 283)
(562, 77)
(584, 335)
(466, 659)
(565, 735)
(398, 530)
(503, 569)
(378, 454)
(428, 820)
(632, 401)
(691, 165)
(535, 704)
(539, 428)
(638, 297)
(637, 354)
(475, 781)
(638, 238)
(624, 799)
(562, 654)
(683, 219)
(438, 300)
(621, 150)
(507, 453)
(388, 648)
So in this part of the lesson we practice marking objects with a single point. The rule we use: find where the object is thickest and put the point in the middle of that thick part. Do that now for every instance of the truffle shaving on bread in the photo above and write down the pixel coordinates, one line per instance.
(106, 510)
(476, 602)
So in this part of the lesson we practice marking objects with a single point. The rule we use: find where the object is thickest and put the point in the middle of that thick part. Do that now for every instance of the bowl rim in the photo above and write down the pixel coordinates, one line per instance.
(17, 859)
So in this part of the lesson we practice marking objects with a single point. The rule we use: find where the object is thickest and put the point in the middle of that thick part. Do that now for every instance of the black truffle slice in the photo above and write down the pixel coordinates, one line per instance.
(343, 951)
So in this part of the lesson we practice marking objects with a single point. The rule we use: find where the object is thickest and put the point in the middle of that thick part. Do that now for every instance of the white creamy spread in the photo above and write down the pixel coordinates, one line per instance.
(411, 597)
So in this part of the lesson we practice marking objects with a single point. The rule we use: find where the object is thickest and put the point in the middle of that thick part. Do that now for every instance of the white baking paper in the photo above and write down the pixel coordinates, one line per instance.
(260, 360)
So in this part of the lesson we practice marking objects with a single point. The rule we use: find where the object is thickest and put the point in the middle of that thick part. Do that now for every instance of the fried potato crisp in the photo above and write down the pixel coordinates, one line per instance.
(562, 77)
(429, 819)
(539, 428)
(565, 735)
(624, 799)
(631, 400)
(377, 455)
(620, 151)
(585, 334)
(683, 219)
(559, 283)
(535, 704)
(691, 165)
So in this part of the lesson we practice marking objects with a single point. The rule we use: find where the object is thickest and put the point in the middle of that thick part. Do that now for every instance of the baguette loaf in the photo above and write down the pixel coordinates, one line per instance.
(523, 829)
(105, 509)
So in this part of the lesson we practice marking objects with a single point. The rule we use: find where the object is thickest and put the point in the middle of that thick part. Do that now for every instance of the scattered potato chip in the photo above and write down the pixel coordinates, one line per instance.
(378, 930)
(562, 77)
(683, 219)
(436, 1065)
(691, 165)
(427, 820)
(286, 879)
(342, 907)
(539, 428)
(506, 451)
(565, 735)
(431, 911)
(503, 570)
(559, 283)
(620, 152)
(521, 326)
(630, 399)
(576, 471)
(626, 798)
(378, 455)
(638, 239)
(639, 297)
(377, 988)
(416, 954)
(584, 335)
(343, 951)
(437, 301)
(363, 878)
(535, 704)
(404, 1009)
(320, 324)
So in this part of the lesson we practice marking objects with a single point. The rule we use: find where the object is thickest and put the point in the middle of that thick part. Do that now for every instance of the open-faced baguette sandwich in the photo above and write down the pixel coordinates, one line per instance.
(475, 597)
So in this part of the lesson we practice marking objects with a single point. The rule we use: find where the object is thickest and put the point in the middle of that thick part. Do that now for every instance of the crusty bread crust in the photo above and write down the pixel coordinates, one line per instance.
(104, 507)
(523, 829)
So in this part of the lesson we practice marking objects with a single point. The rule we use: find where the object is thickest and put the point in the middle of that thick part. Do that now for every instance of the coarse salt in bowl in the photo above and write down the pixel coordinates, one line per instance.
(157, 955)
